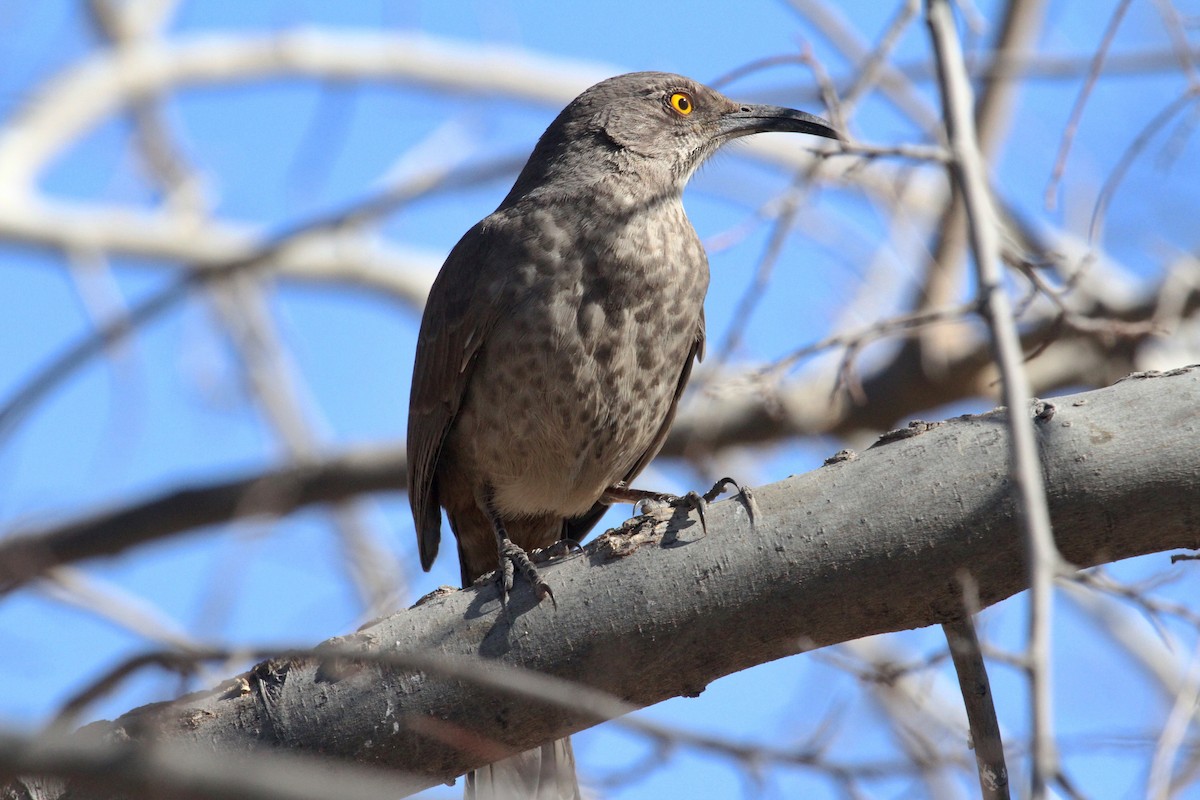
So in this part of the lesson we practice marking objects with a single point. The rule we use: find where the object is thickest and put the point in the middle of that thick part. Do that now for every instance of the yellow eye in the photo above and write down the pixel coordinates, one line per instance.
(682, 102)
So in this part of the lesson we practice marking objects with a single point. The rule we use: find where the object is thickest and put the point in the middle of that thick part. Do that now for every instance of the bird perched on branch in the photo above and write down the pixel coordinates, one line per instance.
(558, 338)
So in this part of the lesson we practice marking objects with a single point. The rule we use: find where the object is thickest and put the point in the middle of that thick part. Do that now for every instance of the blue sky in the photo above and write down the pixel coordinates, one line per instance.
(170, 408)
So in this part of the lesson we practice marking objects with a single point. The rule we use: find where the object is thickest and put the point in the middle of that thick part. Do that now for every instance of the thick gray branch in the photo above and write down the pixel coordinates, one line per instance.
(863, 546)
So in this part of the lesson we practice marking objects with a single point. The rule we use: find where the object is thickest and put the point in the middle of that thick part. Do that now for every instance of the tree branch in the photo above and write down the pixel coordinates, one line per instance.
(731, 418)
(95, 88)
(26, 554)
(860, 547)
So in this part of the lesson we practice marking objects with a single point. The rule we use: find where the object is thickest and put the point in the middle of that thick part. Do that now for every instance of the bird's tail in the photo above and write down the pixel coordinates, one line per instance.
(544, 773)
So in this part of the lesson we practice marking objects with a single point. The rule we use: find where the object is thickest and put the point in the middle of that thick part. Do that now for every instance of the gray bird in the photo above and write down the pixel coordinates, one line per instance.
(558, 338)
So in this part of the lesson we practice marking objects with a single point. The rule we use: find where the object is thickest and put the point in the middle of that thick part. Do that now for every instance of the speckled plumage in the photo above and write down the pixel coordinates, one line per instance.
(579, 374)
(563, 327)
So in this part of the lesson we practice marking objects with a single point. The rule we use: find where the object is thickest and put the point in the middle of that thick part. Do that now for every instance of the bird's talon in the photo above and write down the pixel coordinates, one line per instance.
(700, 503)
(747, 496)
(543, 590)
(512, 560)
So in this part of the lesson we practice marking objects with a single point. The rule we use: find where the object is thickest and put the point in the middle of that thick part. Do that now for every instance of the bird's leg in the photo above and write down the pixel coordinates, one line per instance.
(512, 556)
(620, 493)
(644, 498)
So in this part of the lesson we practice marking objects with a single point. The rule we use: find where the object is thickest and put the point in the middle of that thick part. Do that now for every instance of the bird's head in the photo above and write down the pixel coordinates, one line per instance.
(654, 125)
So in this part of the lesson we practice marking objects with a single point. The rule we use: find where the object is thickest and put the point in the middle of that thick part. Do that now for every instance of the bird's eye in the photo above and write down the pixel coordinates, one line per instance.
(682, 102)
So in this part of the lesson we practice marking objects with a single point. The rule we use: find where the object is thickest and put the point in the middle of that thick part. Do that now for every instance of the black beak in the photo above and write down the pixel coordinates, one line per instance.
(748, 119)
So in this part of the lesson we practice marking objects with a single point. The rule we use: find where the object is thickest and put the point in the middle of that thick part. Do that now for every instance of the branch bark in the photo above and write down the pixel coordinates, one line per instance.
(863, 546)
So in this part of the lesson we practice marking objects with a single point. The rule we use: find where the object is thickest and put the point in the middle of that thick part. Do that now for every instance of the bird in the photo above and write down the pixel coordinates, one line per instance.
(557, 340)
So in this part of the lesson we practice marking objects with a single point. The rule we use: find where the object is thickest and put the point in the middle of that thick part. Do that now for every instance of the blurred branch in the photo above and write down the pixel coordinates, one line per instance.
(1132, 151)
(840, 33)
(126, 25)
(25, 554)
(322, 233)
(1160, 785)
(238, 303)
(94, 343)
(1068, 136)
(1048, 66)
(278, 388)
(652, 601)
(346, 256)
(1157, 655)
(336, 659)
(989, 117)
(1156, 658)
(100, 768)
(82, 96)
(923, 711)
(748, 411)
(113, 604)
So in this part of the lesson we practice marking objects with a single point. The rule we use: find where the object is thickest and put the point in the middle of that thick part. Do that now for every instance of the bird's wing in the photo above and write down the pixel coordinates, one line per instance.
(456, 322)
(576, 528)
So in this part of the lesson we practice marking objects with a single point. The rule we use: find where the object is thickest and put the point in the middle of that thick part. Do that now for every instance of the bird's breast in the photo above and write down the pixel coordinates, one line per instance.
(581, 373)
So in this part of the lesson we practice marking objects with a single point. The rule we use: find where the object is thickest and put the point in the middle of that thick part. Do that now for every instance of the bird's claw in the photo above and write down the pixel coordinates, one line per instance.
(694, 501)
(747, 496)
(512, 560)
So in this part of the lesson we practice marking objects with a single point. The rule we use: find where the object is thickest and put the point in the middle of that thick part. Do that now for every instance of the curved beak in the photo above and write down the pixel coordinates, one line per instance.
(749, 118)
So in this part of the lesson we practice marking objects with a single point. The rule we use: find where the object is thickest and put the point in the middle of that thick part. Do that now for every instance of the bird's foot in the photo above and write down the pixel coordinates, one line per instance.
(513, 560)
(692, 501)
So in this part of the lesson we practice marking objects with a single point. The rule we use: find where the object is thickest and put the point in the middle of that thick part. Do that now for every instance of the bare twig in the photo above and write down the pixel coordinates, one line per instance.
(1097, 61)
(1176, 28)
(115, 605)
(1130, 154)
(872, 70)
(981, 711)
(970, 174)
(341, 255)
(891, 326)
(780, 229)
(832, 24)
(1183, 714)
(943, 279)
(922, 709)
(1158, 659)
(163, 157)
